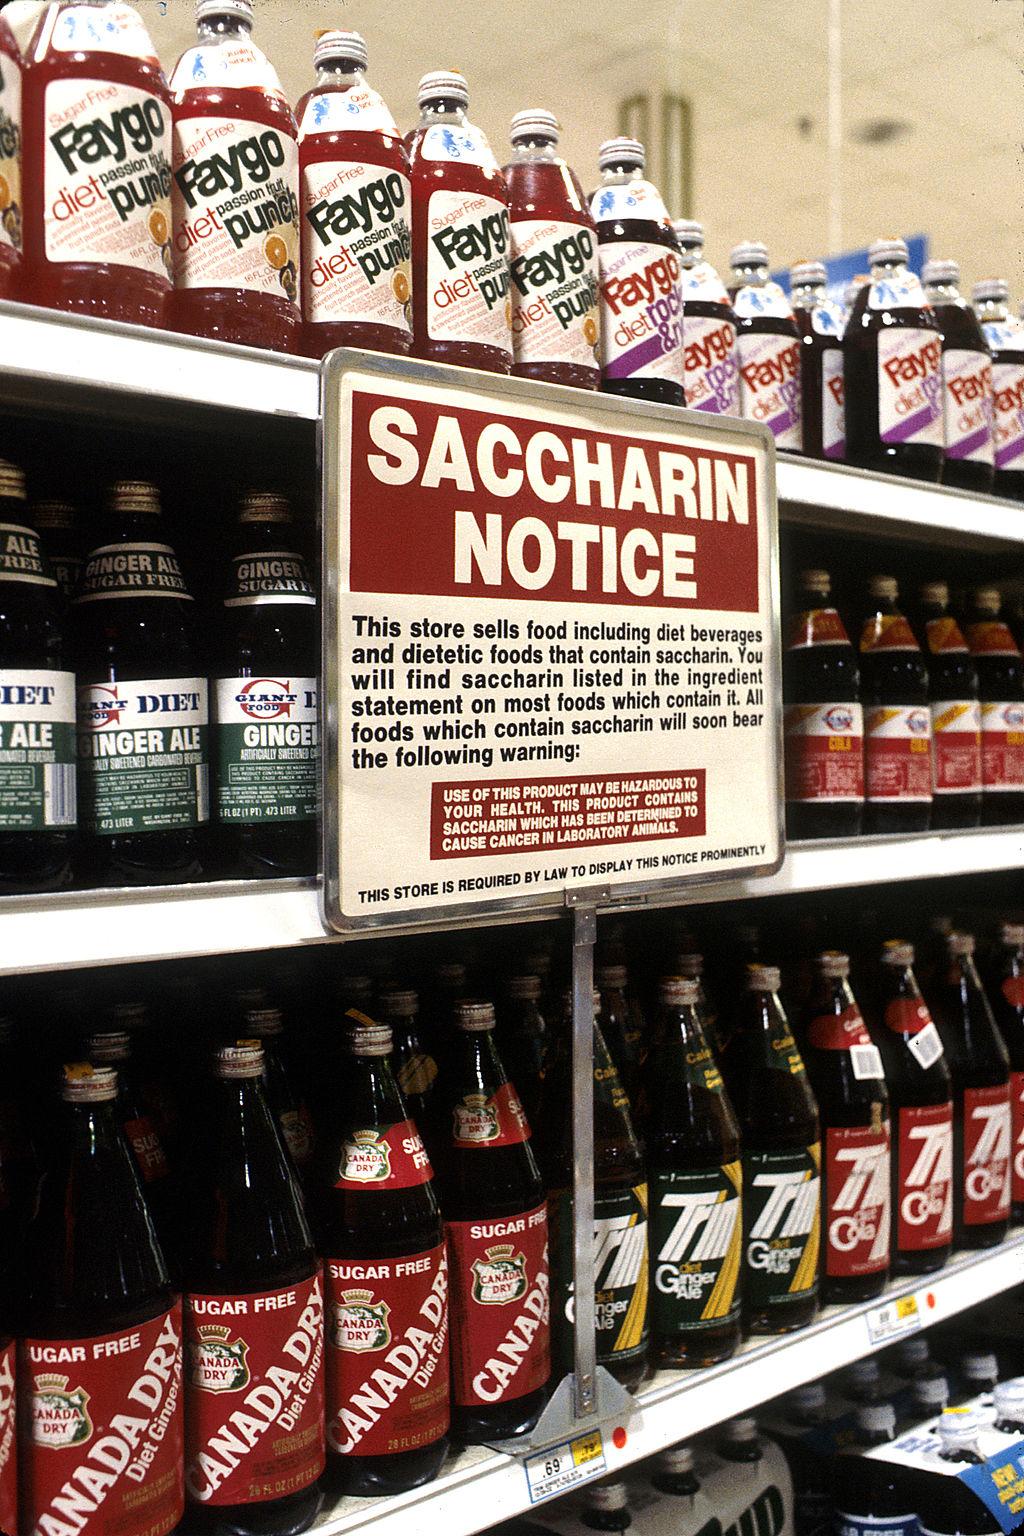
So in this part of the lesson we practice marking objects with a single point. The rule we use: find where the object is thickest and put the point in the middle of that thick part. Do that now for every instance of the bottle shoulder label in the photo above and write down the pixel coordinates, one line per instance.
(384, 1157)
(132, 570)
(815, 626)
(829, 319)
(500, 1299)
(356, 243)
(236, 64)
(461, 143)
(903, 290)
(847, 1031)
(945, 637)
(10, 151)
(358, 110)
(696, 1247)
(269, 576)
(991, 637)
(21, 557)
(756, 301)
(886, 632)
(89, 29)
(637, 199)
(702, 284)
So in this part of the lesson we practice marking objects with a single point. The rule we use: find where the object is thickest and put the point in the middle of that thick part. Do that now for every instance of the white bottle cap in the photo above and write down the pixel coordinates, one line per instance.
(241, 10)
(1011, 935)
(689, 231)
(973, 1365)
(446, 83)
(885, 587)
(809, 1398)
(614, 976)
(739, 1431)
(960, 1426)
(337, 44)
(897, 952)
(808, 272)
(979, 1365)
(763, 978)
(864, 1374)
(910, 1353)
(877, 1417)
(889, 249)
(833, 964)
(941, 272)
(990, 288)
(679, 991)
(931, 1393)
(749, 253)
(987, 599)
(534, 123)
(606, 1496)
(621, 152)
(814, 581)
(677, 1459)
(1009, 1398)
(935, 592)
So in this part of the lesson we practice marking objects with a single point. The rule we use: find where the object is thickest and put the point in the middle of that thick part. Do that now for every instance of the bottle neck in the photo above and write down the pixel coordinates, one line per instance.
(942, 293)
(750, 277)
(223, 29)
(477, 1067)
(992, 309)
(339, 72)
(808, 296)
(535, 152)
(831, 995)
(442, 109)
(886, 271)
(620, 175)
(691, 255)
(372, 1093)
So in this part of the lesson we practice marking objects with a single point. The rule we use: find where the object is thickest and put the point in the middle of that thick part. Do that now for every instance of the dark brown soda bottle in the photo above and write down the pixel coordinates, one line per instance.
(254, 1316)
(37, 689)
(955, 712)
(57, 523)
(769, 347)
(413, 1062)
(824, 721)
(265, 700)
(622, 1025)
(113, 1048)
(496, 1225)
(870, 1494)
(781, 1144)
(378, 1226)
(893, 371)
(716, 1025)
(620, 1214)
(1001, 688)
(1006, 995)
(17, 1196)
(1005, 339)
(921, 1105)
(143, 719)
(524, 1039)
(846, 1073)
(966, 381)
(980, 1069)
(897, 718)
(821, 324)
(259, 1019)
(696, 1182)
(100, 1333)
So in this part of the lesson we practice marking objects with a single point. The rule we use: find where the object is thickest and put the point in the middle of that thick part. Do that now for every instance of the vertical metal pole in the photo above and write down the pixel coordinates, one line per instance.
(584, 935)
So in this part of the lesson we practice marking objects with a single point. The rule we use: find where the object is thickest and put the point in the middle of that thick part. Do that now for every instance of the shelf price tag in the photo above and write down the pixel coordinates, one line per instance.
(894, 1320)
(564, 1466)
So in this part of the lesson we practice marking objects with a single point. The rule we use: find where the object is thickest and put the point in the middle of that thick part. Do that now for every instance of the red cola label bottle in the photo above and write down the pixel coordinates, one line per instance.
(980, 1069)
(967, 404)
(921, 1104)
(846, 1073)
(955, 712)
(1006, 994)
(379, 1229)
(1001, 688)
(821, 323)
(497, 1230)
(897, 717)
(254, 1313)
(100, 1352)
(824, 721)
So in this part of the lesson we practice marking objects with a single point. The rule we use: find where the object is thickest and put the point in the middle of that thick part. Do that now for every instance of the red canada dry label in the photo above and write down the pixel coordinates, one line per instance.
(387, 1353)
(897, 753)
(986, 1151)
(815, 626)
(254, 1393)
(101, 1447)
(1017, 1138)
(887, 632)
(857, 1196)
(824, 753)
(501, 1337)
(944, 636)
(150, 1158)
(924, 1177)
(991, 637)
(956, 746)
(384, 1157)
(498, 1121)
(8, 1459)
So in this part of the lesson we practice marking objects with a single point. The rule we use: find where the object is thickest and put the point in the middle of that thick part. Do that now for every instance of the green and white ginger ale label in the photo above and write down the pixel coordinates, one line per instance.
(143, 755)
(696, 1248)
(267, 749)
(782, 1217)
(37, 749)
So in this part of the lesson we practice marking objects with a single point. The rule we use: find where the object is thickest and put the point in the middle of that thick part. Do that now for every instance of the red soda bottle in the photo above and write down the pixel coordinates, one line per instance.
(640, 272)
(93, 96)
(769, 347)
(497, 1228)
(461, 311)
(254, 1314)
(821, 323)
(955, 712)
(379, 1228)
(1006, 994)
(1001, 688)
(897, 718)
(845, 1069)
(967, 407)
(10, 171)
(921, 1103)
(99, 1363)
(235, 189)
(1004, 334)
(554, 260)
(711, 374)
(980, 1068)
(824, 721)
(894, 371)
(354, 196)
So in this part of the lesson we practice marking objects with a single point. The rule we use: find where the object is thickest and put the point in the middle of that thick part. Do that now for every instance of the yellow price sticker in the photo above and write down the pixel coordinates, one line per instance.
(906, 1307)
(586, 1448)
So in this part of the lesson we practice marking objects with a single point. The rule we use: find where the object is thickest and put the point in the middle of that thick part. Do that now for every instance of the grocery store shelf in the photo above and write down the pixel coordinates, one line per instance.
(855, 500)
(481, 1488)
(62, 360)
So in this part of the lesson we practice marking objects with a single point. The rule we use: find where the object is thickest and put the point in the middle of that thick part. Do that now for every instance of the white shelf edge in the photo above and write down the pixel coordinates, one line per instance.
(482, 1488)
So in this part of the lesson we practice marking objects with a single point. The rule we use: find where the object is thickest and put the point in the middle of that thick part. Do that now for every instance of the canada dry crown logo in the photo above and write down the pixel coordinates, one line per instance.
(217, 1362)
(360, 1323)
(500, 1276)
(367, 1158)
(60, 1417)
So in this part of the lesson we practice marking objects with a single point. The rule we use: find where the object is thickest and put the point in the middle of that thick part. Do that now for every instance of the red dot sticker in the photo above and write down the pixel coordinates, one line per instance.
(619, 1437)
(930, 1299)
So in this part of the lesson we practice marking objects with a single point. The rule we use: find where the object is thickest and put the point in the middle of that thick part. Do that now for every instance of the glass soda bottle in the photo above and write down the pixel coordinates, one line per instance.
(1001, 688)
(100, 1357)
(769, 347)
(112, 1047)
(496, 1224)
(871, 1494)
(824, 721)
(525, 1040)
(355, 208)
(716, 1026)
(980, 1069)
(258, 1019)
(897, 717)
(804, 1436)
(93, 93)
(379, 1229)
(696, 1181)
(893, 371)
(620, 1266)
(622, 1025)
(235, 188)
(821, 324)
(711, 373)
(641, 281)
(845, 1069)
(254, 1316)
(1006, 995)
(143, 775)
(37, 688)
(946, 1505)
(10, 170)
(461, 309)
(921, 1104)
(265, 699)
(1004, 335)
(56, 521)
(553, 260)
(781, 1145)
(955, 712)
(414, 1064)
(967, 409)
